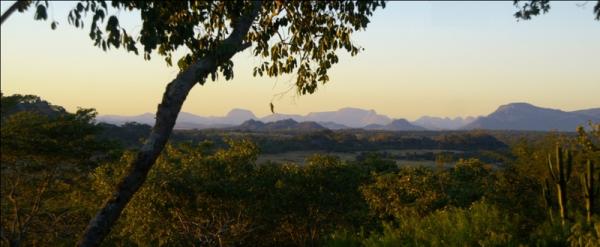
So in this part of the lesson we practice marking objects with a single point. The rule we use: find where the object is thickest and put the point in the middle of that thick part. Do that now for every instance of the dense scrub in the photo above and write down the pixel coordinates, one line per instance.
(350, 140)
(56, 168)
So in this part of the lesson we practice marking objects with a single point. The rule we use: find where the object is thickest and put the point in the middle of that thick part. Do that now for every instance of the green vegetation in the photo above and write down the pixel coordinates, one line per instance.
(302, 38)
(561, 173)
(56, 167)
(590, 192)
(210, 33)
(47, 157)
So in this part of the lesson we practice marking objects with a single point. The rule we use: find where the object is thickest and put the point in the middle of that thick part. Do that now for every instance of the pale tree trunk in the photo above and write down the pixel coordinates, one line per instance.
(173, 98)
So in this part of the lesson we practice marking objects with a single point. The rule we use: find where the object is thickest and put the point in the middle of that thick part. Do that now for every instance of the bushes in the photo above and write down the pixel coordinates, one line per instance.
(421, 190)
(585, 235)
(577, 233)
(200, 195)
(47, 154)
(410, 190)
(479, 225)
(222, 198)
(208, 196)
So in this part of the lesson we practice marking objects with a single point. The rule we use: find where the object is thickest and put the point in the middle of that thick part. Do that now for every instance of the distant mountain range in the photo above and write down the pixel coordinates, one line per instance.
(280, 125)
(186, 120)
(395, 125)
(524, 116)
(514, 116)
(340, 119)
(438, 123)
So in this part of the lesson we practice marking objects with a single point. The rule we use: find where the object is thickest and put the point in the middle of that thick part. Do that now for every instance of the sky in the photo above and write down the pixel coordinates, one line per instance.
(443, 59)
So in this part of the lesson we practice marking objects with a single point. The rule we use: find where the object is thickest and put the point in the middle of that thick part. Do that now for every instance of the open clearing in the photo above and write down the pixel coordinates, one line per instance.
(300, 157)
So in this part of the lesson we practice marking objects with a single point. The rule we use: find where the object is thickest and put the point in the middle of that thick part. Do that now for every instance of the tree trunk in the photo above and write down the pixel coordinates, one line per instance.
(166, 115)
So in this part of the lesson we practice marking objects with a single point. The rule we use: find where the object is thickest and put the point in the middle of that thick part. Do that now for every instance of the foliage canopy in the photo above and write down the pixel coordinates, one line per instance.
(291, 37)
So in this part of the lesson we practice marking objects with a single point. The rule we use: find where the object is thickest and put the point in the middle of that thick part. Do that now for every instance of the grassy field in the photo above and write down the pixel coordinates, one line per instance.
(299, 157)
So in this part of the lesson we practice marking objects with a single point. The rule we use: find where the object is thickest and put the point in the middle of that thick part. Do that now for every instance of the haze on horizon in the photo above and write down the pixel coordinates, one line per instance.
(426, 58)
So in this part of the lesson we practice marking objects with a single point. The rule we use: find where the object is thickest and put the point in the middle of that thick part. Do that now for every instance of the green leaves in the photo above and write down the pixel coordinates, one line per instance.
(205, 195)
(304, 40)
(295, 36)
(75, 15)
(299, 37)
(47, 154)
(113, 23)
(79, 7)
(532, 8)
(114, 33)
(40, 13)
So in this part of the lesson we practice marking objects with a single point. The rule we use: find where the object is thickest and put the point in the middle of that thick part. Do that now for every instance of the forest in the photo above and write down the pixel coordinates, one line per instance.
(207, 188)
(68, 179)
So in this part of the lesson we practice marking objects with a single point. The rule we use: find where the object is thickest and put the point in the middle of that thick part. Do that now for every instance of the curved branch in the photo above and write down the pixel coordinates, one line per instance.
(17, 5)
(166, 115)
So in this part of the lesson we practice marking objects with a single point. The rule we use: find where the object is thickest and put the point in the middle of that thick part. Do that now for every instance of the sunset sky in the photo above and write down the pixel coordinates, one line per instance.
(426, 58)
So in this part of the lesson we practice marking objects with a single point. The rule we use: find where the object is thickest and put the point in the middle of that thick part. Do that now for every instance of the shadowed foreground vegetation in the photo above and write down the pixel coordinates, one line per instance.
(57, 167)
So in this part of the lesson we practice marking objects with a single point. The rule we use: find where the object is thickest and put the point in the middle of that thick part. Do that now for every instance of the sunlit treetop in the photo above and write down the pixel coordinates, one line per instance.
(291, 37)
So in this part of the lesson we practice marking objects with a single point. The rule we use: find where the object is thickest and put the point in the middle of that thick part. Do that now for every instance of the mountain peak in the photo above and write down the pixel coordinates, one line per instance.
(349, 116)
(399, 121)
(525, 116)
(281, 125)
(287, 121)
(396, 125)
(278, 116)
(356, 110)
(512, 116)
(237, 112)
(516, 105)
(445, 123)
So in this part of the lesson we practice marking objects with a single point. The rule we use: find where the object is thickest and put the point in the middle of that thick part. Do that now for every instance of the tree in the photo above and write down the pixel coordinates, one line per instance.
(210, 196)
(533, 8)
(299, 37)
(46, 155)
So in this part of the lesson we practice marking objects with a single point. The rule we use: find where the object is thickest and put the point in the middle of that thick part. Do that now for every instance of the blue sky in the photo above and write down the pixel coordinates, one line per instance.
(420, 58)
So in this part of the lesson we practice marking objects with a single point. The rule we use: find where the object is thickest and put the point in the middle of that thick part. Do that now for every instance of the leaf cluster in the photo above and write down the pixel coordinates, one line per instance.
(291, 37)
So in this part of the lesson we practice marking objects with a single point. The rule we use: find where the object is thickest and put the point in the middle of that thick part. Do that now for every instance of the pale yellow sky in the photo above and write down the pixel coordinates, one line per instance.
(440, 59)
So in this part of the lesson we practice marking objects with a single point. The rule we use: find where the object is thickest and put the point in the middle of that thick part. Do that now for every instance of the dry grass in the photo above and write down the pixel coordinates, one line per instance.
(299, 157)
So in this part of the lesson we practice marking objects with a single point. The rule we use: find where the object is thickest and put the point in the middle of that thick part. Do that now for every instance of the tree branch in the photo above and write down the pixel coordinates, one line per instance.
(166, 115)
(17, 5)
